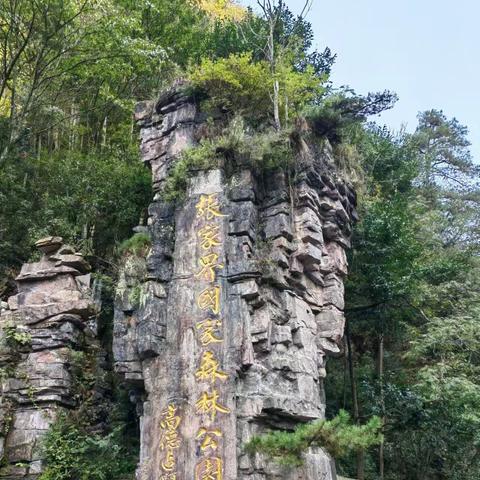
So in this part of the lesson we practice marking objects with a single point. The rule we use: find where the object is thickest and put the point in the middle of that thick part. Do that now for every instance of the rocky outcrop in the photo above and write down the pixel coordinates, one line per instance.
(49, 318)
(223, 330)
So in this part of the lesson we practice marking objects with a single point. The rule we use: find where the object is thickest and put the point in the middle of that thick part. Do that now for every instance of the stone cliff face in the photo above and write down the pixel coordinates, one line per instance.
(40, 327)
(223, 331)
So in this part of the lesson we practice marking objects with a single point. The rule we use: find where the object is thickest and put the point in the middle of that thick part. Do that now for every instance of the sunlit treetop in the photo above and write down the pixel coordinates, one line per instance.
(221, 9)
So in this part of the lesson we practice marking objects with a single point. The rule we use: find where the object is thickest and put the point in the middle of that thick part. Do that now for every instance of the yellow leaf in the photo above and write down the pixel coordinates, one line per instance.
(223, 10)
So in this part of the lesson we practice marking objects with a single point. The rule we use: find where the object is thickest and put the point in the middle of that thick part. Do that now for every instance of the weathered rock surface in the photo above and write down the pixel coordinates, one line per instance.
(278, 251)
(40, 326)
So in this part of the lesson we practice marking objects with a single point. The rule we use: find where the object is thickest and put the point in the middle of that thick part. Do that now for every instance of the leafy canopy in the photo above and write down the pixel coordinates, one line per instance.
(338, 436)
(240, 85)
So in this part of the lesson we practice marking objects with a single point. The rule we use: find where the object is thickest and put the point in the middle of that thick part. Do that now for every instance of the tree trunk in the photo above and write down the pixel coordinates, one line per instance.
(74, 116)
(356, 410)
(56, 139)
(273, 70)
(104, 133)
(380, 366)
(276, 107)
(286, 110)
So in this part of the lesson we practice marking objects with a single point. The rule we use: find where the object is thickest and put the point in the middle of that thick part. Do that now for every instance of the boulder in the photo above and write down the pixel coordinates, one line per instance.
(49, 244)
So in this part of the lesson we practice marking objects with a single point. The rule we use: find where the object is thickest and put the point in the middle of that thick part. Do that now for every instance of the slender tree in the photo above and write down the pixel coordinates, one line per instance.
(272, 12)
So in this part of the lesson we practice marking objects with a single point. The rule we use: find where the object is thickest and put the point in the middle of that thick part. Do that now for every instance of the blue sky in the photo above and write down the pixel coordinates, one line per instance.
(427, 51)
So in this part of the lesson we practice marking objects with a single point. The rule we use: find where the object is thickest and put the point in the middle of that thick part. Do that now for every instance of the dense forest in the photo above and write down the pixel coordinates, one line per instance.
(71, 72)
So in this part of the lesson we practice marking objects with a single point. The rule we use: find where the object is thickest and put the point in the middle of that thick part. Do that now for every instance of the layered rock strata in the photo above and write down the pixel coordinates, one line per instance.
(222, 332)
(40, 327)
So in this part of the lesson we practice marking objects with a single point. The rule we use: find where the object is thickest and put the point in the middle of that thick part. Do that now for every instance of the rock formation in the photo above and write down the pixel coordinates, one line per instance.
(40, 327)
(223, 331)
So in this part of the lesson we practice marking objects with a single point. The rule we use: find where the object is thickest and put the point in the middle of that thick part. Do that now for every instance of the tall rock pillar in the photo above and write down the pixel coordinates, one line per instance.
(242, 300)
(40, 329)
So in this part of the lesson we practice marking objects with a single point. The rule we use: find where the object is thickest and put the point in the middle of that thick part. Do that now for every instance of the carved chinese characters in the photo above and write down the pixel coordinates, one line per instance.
(169, 442)
(209, 373)
(209, 331)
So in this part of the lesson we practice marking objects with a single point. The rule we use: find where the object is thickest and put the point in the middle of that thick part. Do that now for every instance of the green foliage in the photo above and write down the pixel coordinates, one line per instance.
(235, 146)
(240, 85)
(336, 114)
(71, 452)
(412, 302)
(445, 156)
(82, 367)
(99, 439)
(138, 296)
(16, 336)
(92, 201)
(388, 247)
(202, 157)
(452, 342)
(338, 436)
(235, 84)
(138, 244)
(77, 57)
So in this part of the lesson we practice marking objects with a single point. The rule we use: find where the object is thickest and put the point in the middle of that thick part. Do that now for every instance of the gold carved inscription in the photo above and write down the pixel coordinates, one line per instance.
(209, 438)
(209, 264)
(209, 468)
(208, 404)
(209, 236)
(209, 369)
(209, 331)
(208, 207)
(209, 299)
(169, 441)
